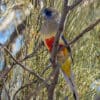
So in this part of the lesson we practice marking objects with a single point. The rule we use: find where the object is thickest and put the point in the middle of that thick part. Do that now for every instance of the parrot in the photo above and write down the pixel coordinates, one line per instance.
(48, 31)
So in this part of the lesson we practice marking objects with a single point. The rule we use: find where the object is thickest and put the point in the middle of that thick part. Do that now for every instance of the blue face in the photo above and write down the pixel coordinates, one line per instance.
(48, 13)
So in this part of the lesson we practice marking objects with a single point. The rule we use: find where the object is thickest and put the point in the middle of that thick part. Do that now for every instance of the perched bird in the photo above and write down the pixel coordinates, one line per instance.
(48, 31)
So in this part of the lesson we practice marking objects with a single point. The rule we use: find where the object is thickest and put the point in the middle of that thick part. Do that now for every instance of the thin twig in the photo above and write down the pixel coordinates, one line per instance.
(89, 28)
(25, 68)
(34, 92)
(6, 71)
(75, 4)
(46, 68)
(33, 53)
(22, 87)
(50, 78)
(6, 91)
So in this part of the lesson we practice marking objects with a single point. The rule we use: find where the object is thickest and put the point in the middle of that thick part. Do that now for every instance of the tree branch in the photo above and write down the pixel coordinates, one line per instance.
(75, 4)
(7, 93)
(65, 11)
(50, 87)
(22, 87)
(54, 81)
(89, 28)
(25, 68)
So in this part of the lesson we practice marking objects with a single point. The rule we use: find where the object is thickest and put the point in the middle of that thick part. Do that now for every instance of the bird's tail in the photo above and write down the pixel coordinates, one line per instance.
(72, 85)
(67, 73)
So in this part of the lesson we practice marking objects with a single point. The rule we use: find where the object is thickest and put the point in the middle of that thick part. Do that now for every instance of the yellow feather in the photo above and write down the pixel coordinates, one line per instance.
(66, 67)
(65, 61)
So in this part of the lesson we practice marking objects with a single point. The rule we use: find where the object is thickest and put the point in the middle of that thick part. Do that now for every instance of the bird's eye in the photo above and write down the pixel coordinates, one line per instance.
(48, 12)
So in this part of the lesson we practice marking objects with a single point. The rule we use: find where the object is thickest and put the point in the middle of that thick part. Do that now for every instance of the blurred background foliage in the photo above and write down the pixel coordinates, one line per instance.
(86, 52)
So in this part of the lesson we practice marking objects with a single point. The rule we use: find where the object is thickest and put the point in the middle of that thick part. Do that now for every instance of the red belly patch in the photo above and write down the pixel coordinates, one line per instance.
(49, 43)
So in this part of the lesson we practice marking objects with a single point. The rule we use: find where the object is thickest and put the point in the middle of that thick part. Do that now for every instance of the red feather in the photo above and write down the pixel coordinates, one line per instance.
(49, 43)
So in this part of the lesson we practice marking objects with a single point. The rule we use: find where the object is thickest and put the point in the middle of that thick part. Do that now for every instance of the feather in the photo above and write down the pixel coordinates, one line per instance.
(69, 80)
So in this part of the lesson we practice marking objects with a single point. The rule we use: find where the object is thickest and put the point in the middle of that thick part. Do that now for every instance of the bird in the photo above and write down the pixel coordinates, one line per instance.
(49, 27)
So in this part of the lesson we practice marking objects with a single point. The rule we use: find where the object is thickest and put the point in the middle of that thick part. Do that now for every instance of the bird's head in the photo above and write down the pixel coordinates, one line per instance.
(50, 21)
(50, 13)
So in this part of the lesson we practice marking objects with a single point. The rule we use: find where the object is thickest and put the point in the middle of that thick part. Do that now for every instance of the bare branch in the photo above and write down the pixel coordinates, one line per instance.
(46, 68)
(89, 28)
(75, 4)
(6, 71)
(22, 87)
(25, 68)
(50, 87)
(54, 81)
(34, 92)
(7, 93)
(65, 11)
